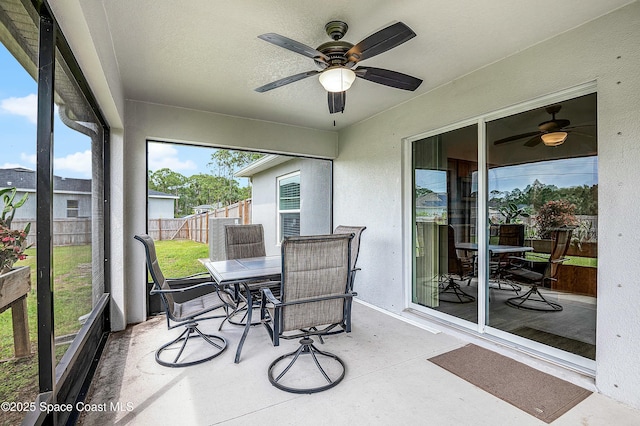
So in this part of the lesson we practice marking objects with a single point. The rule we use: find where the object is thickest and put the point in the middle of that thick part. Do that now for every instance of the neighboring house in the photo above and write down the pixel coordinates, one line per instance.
(161, 205)
(431, 204)
(290, 196)
(71, 196)
(203, 208)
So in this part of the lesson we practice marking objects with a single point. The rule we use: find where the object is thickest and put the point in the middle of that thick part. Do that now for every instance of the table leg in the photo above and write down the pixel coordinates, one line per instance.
(248, 325)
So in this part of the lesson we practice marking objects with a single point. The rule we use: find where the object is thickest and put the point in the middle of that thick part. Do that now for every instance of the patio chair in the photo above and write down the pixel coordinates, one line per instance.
(241, 242)
(186, 313)
(453, 267)
(315, 300)
(355, 247)
(533, 299)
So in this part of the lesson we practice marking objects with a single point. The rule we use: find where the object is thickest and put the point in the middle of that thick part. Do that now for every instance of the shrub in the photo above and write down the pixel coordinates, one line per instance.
(553, 215)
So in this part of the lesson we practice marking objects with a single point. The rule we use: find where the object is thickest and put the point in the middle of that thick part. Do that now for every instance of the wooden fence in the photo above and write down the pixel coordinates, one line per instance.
(196, 227)
(66, 232)
(77, 231)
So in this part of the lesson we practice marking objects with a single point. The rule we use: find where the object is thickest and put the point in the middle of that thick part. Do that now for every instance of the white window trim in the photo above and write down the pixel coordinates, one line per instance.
(278, 211)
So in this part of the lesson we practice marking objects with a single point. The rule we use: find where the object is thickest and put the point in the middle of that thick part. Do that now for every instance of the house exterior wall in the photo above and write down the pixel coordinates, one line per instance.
(28, 209)
(60, 204)
(315, 199)
(160, 208)
(371, 155)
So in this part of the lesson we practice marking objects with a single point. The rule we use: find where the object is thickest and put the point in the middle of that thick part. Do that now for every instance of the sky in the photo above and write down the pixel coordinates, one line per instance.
(72, 150)
(561, 173)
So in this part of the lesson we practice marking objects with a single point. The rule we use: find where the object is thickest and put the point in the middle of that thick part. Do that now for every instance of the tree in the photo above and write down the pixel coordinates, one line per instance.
(553, 215)
(227, 163)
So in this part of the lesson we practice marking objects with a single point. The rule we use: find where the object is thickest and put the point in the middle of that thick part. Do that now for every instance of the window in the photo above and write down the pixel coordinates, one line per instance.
(289, 205)
(72, 208)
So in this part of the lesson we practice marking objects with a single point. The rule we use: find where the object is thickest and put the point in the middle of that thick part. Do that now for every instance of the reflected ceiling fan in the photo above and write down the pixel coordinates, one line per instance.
(551, 132)
(338, 61)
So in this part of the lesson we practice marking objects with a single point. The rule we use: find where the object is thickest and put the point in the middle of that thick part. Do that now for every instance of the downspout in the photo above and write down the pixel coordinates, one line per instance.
(97, 205)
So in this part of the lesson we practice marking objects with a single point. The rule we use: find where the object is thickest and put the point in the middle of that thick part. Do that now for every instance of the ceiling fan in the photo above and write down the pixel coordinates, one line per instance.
(338, 60)
(551, 132)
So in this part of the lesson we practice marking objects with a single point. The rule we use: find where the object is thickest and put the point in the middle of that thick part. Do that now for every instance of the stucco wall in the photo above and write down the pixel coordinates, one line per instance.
(315, 198)
(371, 156)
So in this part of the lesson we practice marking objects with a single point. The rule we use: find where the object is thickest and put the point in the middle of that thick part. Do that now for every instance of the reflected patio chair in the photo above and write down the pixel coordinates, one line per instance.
(186, 313)
(533, 299)
(355, 247)
(509, 234)
(241, 242)
(315, 300)
(453, 267)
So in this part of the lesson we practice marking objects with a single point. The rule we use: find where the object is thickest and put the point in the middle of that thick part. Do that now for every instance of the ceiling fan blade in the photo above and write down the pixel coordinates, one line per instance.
(379, 42)
(515, 137)
(388, 78)
(337, 101)
(286, 80)
(534, 141)
(294, 46)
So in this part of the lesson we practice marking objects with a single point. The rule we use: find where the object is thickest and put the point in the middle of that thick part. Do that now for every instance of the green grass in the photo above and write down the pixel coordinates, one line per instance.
(72, 299)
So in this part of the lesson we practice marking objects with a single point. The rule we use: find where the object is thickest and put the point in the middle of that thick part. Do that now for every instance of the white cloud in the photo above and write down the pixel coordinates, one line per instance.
(78, 162)
(163, 155)
(26, 107)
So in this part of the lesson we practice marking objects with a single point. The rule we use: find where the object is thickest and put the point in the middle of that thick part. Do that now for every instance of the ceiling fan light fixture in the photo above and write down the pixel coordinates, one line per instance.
(337, 79)
(554, 139)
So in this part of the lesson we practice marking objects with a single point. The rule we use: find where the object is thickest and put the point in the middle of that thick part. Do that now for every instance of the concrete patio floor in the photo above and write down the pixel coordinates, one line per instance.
(389, 381)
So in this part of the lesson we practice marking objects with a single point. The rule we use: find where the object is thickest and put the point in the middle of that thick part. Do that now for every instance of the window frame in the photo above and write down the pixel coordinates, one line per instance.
(281, 212)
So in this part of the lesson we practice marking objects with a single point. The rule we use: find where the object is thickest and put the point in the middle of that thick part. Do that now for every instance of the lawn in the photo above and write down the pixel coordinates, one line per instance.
(72, 300)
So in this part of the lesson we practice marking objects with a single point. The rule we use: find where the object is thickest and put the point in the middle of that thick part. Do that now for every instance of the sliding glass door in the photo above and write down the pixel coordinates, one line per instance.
(504, 225)
(549, 190)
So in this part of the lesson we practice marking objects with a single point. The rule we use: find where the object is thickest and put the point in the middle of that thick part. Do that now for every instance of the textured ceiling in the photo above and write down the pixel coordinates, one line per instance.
(205, 54)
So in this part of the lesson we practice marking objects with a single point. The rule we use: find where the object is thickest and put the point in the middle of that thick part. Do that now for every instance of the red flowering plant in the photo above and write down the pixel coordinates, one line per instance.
(553, 215)
(12, 241)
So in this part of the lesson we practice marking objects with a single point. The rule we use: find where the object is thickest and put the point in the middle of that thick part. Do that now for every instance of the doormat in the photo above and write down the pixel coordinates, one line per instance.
(577, 347)
(540, 394)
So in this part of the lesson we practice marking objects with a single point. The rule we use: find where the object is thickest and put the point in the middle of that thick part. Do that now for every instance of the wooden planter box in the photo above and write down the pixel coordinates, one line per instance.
(577, 280)
(14, 288)
(544, 246)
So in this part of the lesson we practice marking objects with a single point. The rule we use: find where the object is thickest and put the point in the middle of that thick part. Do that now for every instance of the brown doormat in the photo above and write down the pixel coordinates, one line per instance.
(540, 394)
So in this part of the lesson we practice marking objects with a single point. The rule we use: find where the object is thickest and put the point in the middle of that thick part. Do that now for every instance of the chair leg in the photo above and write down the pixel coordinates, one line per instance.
(307, 348)
(454, 288)
(540, 303)
(191, 331)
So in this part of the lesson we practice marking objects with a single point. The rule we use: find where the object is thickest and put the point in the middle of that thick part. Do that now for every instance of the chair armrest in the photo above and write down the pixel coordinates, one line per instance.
(182, 290)
(267, 295)
(192, 276)
(562, 259)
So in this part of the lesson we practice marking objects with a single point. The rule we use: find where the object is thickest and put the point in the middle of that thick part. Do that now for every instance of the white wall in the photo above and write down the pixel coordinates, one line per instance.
(371, 156)
(161, 208)
(315, 199)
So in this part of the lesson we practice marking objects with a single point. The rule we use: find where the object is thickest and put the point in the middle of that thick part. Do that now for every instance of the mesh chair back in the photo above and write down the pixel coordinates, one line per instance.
(159, 281)
(561, 240)
(243, 241)
(355, 242)
(511, 234)
(314, 267)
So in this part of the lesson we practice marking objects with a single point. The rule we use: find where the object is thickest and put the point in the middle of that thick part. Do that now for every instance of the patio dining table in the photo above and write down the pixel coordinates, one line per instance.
(239, 273)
